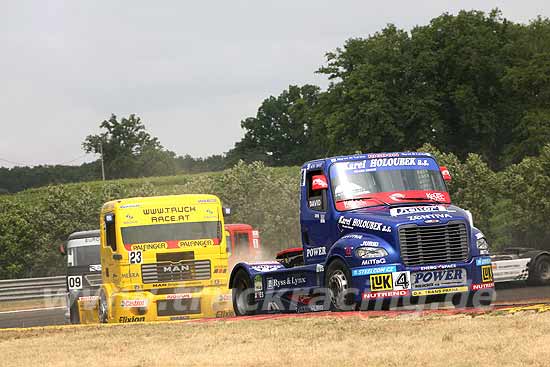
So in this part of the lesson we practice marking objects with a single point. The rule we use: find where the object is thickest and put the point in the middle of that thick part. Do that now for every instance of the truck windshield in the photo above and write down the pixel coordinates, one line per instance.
(83, 255)
(171, 232)
(368, 179)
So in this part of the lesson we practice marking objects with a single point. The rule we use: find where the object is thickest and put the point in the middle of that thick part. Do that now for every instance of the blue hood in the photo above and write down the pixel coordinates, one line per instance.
(386, 220)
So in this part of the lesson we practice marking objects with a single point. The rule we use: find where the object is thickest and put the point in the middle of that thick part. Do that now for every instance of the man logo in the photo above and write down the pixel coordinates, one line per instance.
(381, 282)
(176, 268)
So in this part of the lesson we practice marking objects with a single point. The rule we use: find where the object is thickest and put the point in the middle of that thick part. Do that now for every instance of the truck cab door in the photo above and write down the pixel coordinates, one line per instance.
(228, 243)
(109, 247)
(315, 218)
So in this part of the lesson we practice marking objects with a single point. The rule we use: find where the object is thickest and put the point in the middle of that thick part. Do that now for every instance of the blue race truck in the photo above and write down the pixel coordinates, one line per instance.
(375, 228)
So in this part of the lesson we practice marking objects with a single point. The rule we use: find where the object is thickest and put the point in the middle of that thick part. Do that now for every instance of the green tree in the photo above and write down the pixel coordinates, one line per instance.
(283, 131)
(528, 82)
(19, 239)
(465, 83)
(474, 186)
(188, 164)
(377, 101)
(129, 150)
(525, 186)
(265, 200)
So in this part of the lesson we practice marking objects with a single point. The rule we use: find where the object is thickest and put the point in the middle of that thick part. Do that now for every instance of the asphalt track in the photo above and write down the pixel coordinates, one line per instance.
(507, 294)
(30, 318)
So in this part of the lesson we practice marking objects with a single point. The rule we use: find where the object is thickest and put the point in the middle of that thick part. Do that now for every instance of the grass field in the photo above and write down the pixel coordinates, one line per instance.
(505, 340)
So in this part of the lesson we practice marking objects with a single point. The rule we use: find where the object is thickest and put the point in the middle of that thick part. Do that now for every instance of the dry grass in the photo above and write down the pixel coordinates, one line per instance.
(512, 340)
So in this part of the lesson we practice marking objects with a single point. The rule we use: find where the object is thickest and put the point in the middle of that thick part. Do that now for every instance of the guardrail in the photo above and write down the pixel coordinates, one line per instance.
(32, 288)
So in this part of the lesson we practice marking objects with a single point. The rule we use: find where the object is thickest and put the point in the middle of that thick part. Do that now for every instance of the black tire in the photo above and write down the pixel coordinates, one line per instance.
(338, 283)
(103, 309)
(540, 271)
(482, 298)
(244, 303)
(74, 314)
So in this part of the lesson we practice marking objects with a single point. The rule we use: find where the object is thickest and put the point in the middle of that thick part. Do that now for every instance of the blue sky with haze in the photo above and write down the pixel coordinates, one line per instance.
(191, 70)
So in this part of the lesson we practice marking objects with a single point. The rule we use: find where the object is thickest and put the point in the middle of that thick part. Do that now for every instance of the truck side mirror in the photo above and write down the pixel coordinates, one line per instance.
(319, 182)
(445, 173)
(226, 212)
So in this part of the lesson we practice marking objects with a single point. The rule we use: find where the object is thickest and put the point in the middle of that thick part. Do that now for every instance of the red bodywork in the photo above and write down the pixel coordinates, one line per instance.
(243, 241)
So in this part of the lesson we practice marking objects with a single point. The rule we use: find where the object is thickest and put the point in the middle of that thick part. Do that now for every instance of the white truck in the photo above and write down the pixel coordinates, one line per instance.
(522, 264)
(83, 272)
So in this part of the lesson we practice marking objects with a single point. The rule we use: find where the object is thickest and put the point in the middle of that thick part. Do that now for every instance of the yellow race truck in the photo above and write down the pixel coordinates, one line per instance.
(163, 258)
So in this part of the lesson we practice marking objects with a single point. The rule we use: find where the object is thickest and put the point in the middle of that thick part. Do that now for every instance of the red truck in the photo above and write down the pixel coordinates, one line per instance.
(243, 242)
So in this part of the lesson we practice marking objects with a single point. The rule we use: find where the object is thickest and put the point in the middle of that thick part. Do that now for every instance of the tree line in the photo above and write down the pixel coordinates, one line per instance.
(466, 83)
(128, 151)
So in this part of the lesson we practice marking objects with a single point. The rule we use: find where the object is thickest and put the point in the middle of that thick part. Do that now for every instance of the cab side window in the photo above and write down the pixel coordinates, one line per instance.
(110, 231)
(316, 198)
(241, 243)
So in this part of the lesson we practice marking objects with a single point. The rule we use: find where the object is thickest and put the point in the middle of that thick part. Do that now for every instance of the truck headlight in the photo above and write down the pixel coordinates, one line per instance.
(370, 252)
(482, 246)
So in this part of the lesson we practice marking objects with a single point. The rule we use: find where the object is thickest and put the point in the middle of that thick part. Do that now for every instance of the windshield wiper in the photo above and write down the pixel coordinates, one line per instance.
(421, 199)
(367, 198)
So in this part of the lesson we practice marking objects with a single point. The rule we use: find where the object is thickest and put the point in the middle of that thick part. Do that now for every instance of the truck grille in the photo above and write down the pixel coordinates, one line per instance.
(434, 244)
(175, 272)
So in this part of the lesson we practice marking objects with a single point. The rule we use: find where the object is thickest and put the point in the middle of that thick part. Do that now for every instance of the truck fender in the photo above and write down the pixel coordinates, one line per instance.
(236, 268)
(344, 248)
(476, 233)
(535, 255)
(253, 269)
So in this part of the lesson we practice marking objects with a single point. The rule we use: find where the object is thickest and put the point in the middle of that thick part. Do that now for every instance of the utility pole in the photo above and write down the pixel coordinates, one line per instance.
(102, 164)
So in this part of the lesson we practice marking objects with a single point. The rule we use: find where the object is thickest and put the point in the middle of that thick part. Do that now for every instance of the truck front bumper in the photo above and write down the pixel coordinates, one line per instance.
(140, 306)
(399, 280)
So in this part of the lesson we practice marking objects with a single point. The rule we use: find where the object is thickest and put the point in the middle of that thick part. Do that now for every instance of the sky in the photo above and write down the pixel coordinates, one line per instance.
(192, 70)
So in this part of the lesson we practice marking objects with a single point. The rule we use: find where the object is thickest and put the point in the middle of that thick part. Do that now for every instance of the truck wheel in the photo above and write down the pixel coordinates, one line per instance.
(540, 275)
(243, 295)
(338, 282)
(103, 309)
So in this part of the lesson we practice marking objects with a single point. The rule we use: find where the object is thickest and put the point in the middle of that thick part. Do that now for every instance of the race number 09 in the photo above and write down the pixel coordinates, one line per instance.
(74, 282)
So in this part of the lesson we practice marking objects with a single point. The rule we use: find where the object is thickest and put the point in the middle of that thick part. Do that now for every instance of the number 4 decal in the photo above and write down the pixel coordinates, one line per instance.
(402, 280)
(135, 257)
